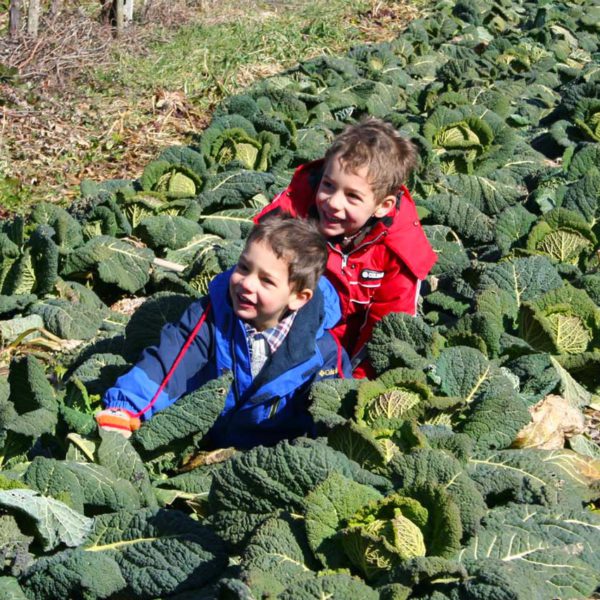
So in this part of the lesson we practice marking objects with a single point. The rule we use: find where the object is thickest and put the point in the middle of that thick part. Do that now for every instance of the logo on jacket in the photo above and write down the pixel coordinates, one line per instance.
(370, 274)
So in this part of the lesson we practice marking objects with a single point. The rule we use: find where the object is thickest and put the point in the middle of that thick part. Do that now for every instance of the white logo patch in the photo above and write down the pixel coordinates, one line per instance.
(369, 274)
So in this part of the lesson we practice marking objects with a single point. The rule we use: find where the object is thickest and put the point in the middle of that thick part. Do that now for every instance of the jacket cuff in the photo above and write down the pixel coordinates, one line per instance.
(115, 399)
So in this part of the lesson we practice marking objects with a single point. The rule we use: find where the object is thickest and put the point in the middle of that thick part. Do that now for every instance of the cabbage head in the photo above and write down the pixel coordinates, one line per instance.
(562, 321)
(174, 181)
(384, 533)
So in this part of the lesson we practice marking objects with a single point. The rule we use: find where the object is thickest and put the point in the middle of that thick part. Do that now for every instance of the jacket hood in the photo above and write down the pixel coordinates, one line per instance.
(406, 238)
(321, 313)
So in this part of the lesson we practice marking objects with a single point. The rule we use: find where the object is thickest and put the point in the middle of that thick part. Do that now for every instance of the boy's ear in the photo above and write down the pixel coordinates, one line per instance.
(299, 299)
(384, 207)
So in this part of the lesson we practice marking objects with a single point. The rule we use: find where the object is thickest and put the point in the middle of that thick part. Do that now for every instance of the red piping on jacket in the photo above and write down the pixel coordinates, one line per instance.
(176, 362)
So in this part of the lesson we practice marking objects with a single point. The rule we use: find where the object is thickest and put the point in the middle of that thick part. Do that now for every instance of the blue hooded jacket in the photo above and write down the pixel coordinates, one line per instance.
(263, 410)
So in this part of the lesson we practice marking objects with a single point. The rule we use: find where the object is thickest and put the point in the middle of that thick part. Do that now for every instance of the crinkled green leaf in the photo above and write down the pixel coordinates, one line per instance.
(192, 415)
(428, 466)
(525, 278)
(68, 320)
(329, 586)
(158, 551)
(167, 231)
(279, 547)
(115, 261)
(85, 487)
(528, 477)
(74, 573)
(240, 498)
(33, 406)
(332, 401)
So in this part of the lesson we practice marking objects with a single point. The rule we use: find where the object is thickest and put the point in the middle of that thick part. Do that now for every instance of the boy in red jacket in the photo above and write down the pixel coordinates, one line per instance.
(377, 250)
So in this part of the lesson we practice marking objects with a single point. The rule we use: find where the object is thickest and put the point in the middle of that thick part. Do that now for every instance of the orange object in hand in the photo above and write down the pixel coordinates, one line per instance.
(117, 419)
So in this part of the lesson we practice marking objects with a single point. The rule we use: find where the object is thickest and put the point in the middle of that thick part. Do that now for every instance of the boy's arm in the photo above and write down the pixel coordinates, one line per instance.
(133, 392)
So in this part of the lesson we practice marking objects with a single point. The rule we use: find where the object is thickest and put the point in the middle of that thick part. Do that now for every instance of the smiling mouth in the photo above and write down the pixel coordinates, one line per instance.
(331, 220)
(243, 302)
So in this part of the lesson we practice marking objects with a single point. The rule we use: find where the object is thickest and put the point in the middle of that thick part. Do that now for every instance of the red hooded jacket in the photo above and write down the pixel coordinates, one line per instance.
(379, 276)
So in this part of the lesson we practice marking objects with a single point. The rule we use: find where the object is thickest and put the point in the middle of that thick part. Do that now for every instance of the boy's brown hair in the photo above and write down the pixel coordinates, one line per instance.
(389, 157)
(299, 243)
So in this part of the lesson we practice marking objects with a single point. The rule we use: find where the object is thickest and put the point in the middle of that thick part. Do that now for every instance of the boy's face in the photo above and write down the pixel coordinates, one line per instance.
(345, 200)
(260, 290)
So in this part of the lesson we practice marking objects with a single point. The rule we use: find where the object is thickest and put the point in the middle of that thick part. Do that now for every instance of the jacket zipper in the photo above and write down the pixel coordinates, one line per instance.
(345, 256)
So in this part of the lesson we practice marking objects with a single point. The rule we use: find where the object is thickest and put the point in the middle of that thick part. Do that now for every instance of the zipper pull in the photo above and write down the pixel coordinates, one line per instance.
(344, 260)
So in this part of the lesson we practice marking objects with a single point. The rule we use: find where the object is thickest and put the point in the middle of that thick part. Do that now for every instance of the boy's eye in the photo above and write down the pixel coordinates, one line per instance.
(241, 267)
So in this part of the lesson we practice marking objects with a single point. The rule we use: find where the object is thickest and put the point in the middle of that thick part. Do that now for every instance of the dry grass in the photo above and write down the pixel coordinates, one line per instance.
(59, 124)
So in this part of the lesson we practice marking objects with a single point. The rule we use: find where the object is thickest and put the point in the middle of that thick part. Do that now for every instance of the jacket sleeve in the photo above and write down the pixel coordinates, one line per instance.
(398, 293)
(135, 390)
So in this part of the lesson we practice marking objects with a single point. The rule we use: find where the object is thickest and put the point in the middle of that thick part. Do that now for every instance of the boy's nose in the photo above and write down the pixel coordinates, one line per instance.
(334, 201)
(248, 283)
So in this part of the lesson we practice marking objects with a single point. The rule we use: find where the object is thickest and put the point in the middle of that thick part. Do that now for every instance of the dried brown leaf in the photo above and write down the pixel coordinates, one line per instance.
(553, 420)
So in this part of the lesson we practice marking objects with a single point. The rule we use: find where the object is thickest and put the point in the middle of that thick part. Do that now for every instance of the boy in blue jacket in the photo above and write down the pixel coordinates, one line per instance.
(267, 321)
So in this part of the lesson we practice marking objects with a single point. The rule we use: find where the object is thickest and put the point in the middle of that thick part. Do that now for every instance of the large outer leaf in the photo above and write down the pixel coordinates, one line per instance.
(118, 456)
(55, 523)
(44, 258)
(494, 421)
(229, 224)
(66, 229)
(81, 485)
(424, 467)
(253, 485)
(528, 477)
(158, 552)
(192, 415)
(73, 573)
(524, 278)
(34, 406)
(143, 329)
(467, 221)
(397, 335)
(115, 261)
(279, 548)
(359, 444)
(466, 373)
(332, 401)
(512, 225)
(489, 196)
(143, 554)
(554, 551)
(583, 196)
(167, 231)
(233, 189)
(68, 320)
(338, 585)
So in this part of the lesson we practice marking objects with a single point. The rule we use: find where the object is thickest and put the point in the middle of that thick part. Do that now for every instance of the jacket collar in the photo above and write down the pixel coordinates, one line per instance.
(299, 345)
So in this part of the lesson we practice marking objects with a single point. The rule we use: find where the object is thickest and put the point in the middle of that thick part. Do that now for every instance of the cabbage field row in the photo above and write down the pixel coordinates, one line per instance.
(415, 488)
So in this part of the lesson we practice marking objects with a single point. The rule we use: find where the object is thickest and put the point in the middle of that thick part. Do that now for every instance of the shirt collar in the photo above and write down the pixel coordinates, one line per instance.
(275, 335)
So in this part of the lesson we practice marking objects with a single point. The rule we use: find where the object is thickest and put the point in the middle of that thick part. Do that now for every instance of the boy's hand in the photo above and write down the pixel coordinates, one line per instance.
(117, 419)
